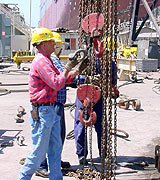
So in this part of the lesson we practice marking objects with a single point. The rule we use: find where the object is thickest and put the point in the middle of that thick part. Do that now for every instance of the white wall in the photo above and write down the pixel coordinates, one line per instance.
(19, 42)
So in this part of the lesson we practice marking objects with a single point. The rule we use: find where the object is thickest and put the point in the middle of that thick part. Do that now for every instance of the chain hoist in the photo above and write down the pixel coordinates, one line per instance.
(98, 31)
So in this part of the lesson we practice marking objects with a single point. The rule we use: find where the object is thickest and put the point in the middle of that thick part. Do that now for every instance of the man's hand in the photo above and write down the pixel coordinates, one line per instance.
(71, 64)
(83, 65)
(75, 58)
(75, 73)
(66, 71)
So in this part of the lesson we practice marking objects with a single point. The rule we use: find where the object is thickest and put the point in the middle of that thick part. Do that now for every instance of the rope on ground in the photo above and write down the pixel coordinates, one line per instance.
(122, 134)
(10, 72)
(15, 84)
(156, 89)
(6, 91)
(69, 105)
(135, 80)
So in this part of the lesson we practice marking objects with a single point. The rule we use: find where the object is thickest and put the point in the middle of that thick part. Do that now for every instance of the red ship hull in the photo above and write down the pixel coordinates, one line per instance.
(64, 13)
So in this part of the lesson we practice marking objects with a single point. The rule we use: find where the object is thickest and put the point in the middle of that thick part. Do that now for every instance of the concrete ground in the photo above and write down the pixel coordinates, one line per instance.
(143, 127)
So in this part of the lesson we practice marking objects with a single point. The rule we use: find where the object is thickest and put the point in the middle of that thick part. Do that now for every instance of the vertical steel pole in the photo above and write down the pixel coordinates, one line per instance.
(30, 13)
(134, 21)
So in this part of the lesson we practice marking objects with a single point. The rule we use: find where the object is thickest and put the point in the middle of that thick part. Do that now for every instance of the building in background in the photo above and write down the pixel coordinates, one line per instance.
(14, 32)
(5, 38)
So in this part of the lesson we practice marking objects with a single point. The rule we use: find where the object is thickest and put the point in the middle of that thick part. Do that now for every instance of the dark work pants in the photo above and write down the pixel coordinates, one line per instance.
(79, 129)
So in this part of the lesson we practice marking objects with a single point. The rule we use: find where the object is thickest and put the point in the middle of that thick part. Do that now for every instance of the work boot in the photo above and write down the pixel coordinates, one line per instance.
(65, 164)
(43, 173)
(83, 161)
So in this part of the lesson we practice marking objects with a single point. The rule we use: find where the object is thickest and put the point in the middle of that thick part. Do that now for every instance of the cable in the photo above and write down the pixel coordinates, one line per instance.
(68, 105)
(20, 90)
(15, 71)
(70, 135)
(156, 89)
(16, 84)
(6, 91)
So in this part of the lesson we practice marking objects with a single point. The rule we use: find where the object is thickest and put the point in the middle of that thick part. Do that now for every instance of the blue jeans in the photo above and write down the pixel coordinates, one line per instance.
(46, 139)
(59, 109)
(79, 129)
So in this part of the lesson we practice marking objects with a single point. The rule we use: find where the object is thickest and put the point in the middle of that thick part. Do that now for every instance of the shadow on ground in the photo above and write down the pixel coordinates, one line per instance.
(7, 140)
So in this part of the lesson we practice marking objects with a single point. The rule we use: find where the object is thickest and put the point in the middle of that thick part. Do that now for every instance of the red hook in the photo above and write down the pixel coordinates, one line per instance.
(87, 94)
(98, 47)
(92, 118)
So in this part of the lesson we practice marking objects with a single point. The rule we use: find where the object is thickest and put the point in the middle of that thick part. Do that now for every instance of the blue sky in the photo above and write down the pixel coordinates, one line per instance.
(24, 6)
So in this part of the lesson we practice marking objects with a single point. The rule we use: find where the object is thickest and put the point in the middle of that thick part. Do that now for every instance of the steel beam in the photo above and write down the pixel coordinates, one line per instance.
(134, 33)
(151, 16)
(145, 19)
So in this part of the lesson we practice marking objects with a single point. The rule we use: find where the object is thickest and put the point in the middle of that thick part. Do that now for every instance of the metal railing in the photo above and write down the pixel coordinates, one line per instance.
(16, 20)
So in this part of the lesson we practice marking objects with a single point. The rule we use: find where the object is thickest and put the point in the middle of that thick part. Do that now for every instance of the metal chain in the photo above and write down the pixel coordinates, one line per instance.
(93, 66)
(109, 125)
(109, 10)
(80, 33)
(115, 88)
(86, 12)
(104, 93)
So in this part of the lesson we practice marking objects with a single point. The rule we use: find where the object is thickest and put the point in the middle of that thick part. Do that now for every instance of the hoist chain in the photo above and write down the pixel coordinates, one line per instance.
(109, 110)
(104, 93)
(115, 89)
(87, 174)
(109, 121)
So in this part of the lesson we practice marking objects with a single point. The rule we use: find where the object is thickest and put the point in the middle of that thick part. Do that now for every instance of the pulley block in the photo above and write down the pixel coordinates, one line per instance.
(125, 103)
(93, 24)
(136, 104)
(88, 94)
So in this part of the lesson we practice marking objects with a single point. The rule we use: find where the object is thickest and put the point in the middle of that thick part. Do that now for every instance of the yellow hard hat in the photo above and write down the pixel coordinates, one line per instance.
(57, 38)
(42, 34)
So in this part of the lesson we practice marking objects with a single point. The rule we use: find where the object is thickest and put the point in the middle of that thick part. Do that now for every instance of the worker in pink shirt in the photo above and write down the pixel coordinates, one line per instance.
(44, 82)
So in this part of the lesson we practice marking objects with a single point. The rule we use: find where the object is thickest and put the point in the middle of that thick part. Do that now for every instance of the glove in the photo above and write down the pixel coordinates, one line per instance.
(75, 58)
(83, 65)
(71, 64)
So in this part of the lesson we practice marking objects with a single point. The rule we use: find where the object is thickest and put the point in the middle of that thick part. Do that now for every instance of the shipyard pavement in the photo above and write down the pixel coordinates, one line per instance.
(143, 127)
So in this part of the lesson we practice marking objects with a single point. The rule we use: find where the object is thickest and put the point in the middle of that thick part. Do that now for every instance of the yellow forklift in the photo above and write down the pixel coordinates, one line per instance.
(21, 56)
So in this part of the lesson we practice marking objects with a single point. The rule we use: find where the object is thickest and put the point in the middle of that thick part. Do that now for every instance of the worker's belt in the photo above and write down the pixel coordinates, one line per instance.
(43, 104)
